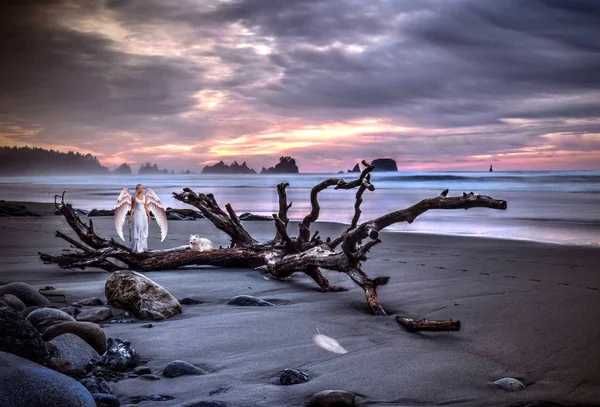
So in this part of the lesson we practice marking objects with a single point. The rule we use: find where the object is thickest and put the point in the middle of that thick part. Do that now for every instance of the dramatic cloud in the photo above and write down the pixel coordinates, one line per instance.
(434, 84)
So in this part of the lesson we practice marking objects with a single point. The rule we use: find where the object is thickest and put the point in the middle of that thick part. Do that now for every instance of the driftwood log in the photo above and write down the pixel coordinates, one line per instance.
(412, 325)
(282, 256)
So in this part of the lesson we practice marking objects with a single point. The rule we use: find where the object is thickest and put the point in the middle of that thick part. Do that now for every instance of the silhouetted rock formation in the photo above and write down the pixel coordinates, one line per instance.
(222, 168)
(33, 161)
(13, 209)
(355, 169)
(286, 165)
(384, 164)
(123, 169)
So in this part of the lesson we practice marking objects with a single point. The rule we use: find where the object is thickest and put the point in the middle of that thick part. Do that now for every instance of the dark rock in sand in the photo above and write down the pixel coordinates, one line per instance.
(25, 293)
(90, 332)
(332, 398)
(101, 212)
(45, 387)
(147, 326)
(190, 301)
(96, 384)
(96, 314)
(509, 384)
(119, 355)
(106, 400)
(180, 368)
(246, 216)
(75, 350)
(293, 376)
(13, 301)
(149, 376)
(19, 337)
(249, 301)
(8, 209)
(92, 301)
(43, 318)
(140, 370)
(138, 294)
(384, 164)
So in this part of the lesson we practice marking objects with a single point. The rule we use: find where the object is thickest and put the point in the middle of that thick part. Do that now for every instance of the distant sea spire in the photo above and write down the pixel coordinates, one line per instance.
(491, 170)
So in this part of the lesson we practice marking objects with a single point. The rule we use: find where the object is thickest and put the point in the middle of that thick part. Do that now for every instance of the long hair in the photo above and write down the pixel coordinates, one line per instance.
(136, 188)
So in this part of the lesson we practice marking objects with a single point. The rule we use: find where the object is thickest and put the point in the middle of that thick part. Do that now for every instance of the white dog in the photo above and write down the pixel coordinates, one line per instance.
(201, 244)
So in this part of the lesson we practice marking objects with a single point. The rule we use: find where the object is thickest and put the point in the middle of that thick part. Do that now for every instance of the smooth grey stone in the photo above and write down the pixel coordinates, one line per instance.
(180, 368)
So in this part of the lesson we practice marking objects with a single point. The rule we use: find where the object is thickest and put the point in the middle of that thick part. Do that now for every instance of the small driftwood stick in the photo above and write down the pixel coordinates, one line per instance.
(412, 325)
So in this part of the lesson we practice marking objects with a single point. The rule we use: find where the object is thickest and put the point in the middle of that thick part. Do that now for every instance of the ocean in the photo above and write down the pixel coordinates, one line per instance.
(547, 206)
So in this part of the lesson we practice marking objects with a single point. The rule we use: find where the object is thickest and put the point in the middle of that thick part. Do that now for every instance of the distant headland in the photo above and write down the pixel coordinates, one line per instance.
(380, 164)
(286, 165)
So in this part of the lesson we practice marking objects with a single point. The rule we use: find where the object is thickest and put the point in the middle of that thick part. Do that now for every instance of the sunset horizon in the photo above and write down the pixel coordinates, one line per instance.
(437, 86)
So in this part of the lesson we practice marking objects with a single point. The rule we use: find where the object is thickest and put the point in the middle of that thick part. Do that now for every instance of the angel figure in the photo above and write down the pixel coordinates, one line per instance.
(139, 207)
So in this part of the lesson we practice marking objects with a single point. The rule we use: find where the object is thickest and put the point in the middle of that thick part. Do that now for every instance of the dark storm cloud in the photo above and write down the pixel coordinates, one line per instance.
(51, 71)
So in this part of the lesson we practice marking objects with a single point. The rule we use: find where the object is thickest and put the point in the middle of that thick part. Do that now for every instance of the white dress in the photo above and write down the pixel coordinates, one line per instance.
(139, 227)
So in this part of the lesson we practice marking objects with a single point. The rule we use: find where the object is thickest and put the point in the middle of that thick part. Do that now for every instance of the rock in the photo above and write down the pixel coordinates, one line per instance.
(250, 216)
(138, 294)
(509, 384)
(96, 314)
(19, 337)
(25, 293)
(14, 209)
(286, 165)
(101, 212)
(384, 164)
(187, 213)
(147, 326)
(293, 376)
(355, 169)
(71, 310)
(140, 370)
(88, 331)
(190, 301)
(180, 368)
(119, 355)
(3, 304)
(248, 301)
(43, 318)
(106, 400)
(178, 216)
(45, 387)
(150, 376)
(222, 168)
(332, 398)
(96, 384)
(75, 350)
(13, 301)
(92, 301)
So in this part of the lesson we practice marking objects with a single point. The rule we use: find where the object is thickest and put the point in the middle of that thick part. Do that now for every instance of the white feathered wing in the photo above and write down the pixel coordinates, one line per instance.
(157, 208)
(122, 206)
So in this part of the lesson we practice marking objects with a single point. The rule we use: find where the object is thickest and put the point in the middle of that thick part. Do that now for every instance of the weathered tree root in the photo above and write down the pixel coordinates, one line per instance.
(412, 325)
(283, 256)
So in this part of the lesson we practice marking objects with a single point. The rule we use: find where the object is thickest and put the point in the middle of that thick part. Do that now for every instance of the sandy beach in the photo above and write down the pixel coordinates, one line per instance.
(528, 311)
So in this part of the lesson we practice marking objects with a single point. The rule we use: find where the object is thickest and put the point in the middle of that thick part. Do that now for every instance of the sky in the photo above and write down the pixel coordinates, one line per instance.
(433, 84)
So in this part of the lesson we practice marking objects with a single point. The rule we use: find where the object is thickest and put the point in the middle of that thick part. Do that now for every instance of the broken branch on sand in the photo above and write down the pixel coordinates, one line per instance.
(283, 256)
(412, 325)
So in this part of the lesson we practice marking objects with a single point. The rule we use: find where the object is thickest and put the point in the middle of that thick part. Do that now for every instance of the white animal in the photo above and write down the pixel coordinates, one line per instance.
(200, 244)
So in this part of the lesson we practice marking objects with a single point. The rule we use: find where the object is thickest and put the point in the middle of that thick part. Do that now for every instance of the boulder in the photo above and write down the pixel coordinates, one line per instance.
(95, 314)
(43, 318)
(19, 337)
(509, 384)
(13, 301)
(25, 293)
(75, 350)
(249, 301)
(106, 400)
(138, 294)
(180, 368)
(293, 376)
(45, 387)
(88, 331)
(332, 398)
(119, 355)
(92, 301)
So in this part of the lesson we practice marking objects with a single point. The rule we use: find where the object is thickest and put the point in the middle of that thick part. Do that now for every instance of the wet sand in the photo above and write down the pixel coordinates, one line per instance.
(527, 310)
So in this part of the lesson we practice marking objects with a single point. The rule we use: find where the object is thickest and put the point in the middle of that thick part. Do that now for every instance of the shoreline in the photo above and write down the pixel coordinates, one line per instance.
(47, 209)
